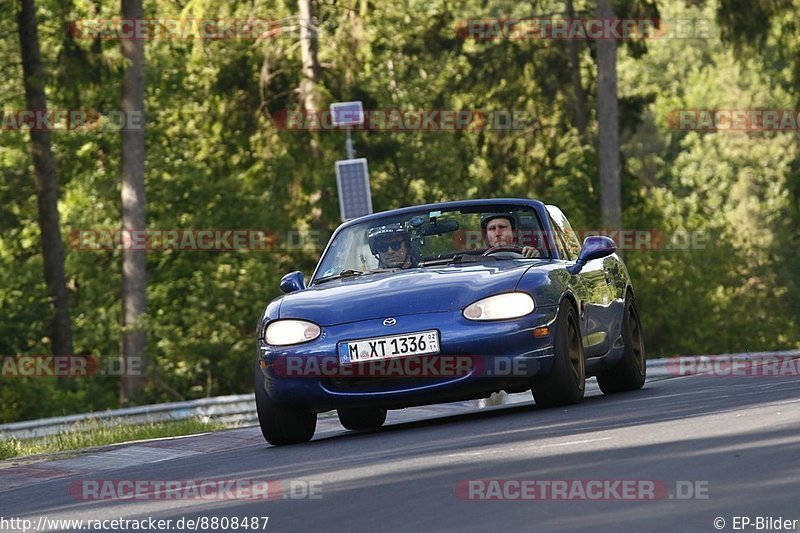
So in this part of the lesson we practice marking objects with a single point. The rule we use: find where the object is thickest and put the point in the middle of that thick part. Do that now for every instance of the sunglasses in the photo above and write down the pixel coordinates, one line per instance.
(395, 245)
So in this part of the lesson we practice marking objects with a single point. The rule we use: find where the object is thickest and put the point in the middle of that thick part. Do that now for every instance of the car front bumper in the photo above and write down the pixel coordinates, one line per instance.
(475, 359)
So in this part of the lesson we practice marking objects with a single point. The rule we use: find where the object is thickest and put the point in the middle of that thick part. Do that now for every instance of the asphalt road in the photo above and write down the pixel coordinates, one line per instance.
(714, 447)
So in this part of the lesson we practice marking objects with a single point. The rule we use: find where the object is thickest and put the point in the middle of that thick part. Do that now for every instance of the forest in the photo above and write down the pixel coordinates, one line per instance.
(230, 135)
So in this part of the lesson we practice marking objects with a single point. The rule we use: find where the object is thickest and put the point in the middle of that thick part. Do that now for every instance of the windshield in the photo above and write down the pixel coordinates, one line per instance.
(426, 238)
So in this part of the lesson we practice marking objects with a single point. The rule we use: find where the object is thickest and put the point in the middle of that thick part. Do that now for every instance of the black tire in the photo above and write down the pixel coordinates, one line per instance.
(566, 382)
(630, 373)
(281, 424)
(362, 418)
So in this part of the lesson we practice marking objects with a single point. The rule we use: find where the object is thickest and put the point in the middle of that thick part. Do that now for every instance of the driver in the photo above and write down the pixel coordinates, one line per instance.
(391, 244)
(499, 231)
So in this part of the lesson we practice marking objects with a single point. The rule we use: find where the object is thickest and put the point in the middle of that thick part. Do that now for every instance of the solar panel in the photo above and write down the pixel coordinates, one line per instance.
(352, 179)
(347, 114)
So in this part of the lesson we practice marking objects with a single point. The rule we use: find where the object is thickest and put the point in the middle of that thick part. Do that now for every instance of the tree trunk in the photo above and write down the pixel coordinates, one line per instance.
(578, 94)
(310, 71)
(608, 122)
(44, 166)
(134, 262)
(310, 97)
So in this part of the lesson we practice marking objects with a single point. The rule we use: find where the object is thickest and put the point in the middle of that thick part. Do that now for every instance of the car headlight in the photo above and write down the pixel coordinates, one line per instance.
(285, 332)
(499, 307)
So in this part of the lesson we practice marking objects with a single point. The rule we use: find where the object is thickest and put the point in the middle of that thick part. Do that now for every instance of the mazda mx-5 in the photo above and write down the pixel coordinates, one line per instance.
(446, 302)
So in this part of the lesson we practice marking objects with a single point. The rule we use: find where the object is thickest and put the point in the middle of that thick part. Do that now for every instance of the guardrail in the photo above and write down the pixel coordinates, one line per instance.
(240, 409)
(231, 410)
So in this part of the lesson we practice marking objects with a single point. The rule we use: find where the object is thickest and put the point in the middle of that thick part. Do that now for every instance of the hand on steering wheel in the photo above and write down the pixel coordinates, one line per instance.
(527, 252)
(503, 248)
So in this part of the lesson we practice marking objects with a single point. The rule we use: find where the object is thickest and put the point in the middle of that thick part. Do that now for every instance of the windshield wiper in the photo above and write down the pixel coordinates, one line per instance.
(347, 273)
(458, 258)
(350, 273)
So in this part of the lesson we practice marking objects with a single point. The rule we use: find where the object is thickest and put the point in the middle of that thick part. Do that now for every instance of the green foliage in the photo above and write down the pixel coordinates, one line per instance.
(215, 159)
(99, 433)
(728, 292)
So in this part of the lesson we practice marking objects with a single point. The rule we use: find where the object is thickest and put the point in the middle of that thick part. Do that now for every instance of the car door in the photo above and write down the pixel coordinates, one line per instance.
(596, 295)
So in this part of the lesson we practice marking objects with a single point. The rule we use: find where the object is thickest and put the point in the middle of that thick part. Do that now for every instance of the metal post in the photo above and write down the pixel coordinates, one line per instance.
(349, 146)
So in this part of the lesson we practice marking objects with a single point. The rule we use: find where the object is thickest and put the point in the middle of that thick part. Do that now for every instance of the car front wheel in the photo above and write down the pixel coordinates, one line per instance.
(566, 382)
(281, 424)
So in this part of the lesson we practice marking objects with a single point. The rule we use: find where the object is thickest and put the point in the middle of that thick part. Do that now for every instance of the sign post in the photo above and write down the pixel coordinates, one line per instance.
(352, 175)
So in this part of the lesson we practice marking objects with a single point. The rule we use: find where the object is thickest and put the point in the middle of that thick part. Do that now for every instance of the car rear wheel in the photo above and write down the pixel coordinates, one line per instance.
(281, 424)
(566, 382)
(362, 418)
(630, 373)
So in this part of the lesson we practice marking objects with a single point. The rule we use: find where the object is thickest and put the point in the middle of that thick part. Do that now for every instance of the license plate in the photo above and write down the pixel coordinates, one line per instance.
(377, 348)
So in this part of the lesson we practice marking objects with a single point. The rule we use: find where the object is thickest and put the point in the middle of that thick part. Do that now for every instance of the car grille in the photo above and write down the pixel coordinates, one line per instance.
(380, 384)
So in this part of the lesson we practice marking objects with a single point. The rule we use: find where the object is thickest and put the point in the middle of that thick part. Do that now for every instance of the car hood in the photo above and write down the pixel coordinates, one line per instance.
(408, 292)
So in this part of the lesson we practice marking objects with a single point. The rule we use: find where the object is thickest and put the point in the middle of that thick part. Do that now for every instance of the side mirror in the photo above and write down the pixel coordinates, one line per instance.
(293, 281)
(594, 247)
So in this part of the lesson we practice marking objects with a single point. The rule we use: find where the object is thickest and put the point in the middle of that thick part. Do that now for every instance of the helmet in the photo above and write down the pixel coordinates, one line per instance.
(488, 217)
(388, 232)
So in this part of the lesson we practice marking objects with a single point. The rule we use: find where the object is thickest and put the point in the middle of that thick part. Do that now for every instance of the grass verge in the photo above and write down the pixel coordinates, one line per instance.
(99, 433)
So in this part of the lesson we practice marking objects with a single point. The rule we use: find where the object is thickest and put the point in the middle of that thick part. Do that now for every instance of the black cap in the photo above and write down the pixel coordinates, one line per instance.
(487, 217)
(382, 233)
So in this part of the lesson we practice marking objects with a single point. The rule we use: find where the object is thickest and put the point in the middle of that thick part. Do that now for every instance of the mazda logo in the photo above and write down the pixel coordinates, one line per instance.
(389, 322)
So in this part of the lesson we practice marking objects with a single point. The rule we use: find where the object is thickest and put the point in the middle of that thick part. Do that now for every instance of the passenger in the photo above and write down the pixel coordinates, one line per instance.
(391, 245)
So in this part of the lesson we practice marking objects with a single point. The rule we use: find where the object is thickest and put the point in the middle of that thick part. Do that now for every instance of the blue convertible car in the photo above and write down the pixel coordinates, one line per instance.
(446, 302)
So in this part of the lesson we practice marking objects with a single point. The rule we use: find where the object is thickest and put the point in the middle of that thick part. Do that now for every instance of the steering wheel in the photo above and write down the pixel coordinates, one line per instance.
(513, 248)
